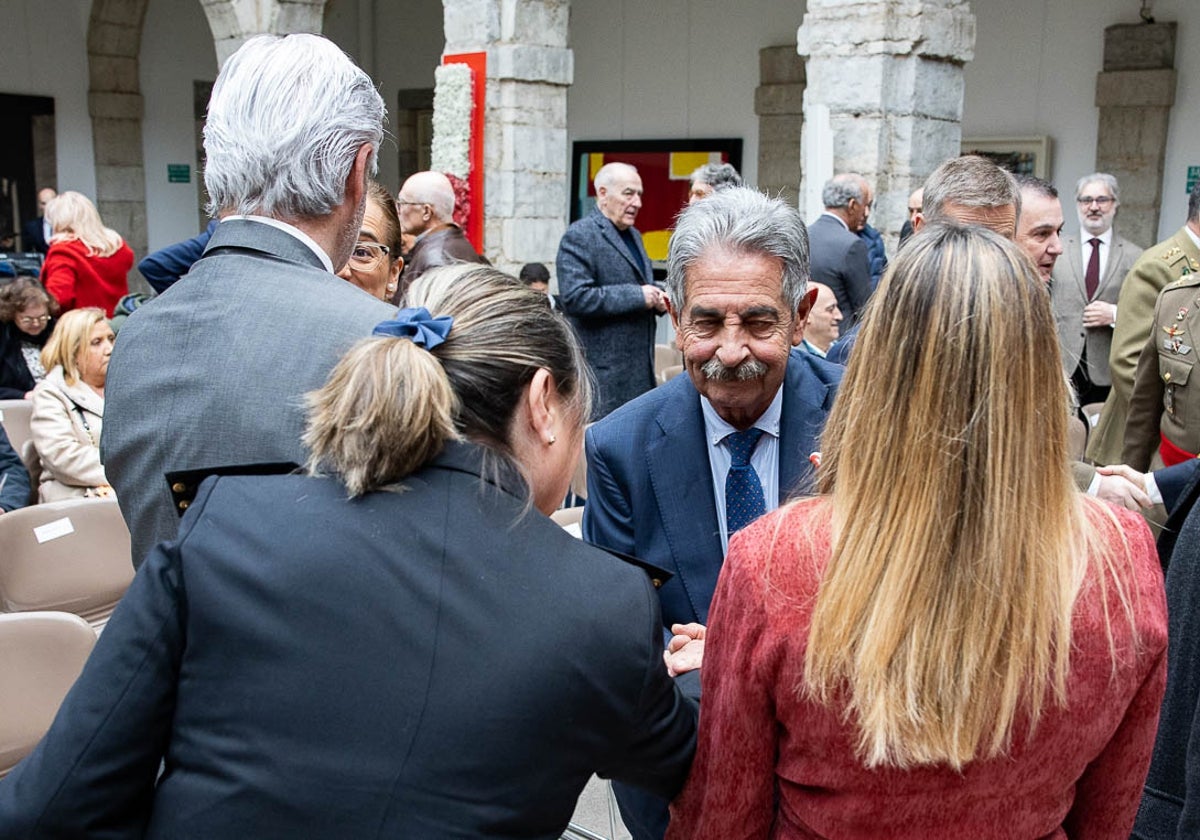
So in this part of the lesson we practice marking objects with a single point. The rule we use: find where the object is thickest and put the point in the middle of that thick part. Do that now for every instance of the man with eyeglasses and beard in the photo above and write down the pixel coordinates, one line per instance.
(675, 472)
(1085, 285)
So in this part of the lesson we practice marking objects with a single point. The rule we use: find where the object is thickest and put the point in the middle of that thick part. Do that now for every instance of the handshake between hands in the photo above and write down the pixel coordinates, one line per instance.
(685, 651)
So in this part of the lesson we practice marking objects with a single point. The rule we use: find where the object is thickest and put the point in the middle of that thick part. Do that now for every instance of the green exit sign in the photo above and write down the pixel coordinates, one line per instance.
(1193, 177)
(179, 173)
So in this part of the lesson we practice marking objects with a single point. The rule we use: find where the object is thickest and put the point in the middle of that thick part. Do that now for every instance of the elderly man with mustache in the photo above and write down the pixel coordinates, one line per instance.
(674, 473)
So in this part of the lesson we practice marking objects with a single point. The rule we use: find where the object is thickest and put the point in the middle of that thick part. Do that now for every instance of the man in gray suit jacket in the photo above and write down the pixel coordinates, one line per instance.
(839, 256)
(1086, 284)
(607, 289)
(214, 371)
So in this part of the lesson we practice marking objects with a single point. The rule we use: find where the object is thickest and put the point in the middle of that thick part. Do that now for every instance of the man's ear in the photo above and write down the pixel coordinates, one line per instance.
(918, 221)
(356, 181)
(673, 312)
(802, 313)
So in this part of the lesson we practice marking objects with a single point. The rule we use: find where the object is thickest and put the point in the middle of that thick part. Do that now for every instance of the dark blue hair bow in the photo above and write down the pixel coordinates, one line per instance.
(418, 326)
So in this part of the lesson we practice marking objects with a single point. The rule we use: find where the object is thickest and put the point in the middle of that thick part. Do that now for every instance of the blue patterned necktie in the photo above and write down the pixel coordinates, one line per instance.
(743, 491)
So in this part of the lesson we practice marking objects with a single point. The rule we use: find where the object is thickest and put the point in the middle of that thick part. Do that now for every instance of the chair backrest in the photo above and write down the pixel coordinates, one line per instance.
(41, 655)
(14, 415)
(33, 466)
(1077, 434)
(664, 357)
(568, 516)
(669, 373)
(71, 556)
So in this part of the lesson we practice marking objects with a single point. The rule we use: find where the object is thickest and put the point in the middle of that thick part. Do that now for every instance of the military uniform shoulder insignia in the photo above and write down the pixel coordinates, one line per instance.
(1171, 253)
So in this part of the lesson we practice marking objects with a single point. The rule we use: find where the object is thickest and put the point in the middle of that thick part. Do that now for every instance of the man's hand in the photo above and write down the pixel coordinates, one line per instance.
(654, 297)
(685, 651)
(1099, 314)
(1122, 485)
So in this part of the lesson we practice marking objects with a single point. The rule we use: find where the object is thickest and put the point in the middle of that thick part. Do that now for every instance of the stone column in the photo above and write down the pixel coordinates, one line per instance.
(890, 73)
(233, 22)
(115, 106)
(779, 103)
(529, 69)
(1135, 93)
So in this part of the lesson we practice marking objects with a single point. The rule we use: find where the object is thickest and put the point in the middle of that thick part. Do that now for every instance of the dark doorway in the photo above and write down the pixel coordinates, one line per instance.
(27, 158)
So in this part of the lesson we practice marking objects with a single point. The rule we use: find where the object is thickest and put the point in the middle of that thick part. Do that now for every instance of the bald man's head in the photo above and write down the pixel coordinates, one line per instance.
(426, 201)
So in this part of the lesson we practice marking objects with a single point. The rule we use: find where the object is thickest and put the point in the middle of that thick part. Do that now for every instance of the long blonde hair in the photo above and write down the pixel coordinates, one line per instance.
(960, 543)
(73, 216)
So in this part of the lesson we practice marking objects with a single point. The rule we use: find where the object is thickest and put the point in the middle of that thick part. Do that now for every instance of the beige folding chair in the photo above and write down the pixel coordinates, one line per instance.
(1077, 434)
(41, 655)
(669, 373)
(71, 556)
(14, 416)
(665, 356)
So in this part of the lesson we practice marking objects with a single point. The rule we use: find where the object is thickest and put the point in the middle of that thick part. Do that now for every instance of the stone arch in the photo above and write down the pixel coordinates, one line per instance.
(115, 102)
(115, 107)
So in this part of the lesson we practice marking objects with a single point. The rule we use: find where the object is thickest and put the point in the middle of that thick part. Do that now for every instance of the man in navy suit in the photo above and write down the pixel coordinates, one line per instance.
(667, 478)
(839, 256)
(606, 287)
(35, 235)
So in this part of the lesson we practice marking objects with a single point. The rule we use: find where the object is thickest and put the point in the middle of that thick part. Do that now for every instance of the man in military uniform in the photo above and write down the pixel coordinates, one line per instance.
(1161, 429)
(1158, 266)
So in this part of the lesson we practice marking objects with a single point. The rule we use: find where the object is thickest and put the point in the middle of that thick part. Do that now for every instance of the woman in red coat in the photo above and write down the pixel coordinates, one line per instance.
(950, 641)
(88, 264)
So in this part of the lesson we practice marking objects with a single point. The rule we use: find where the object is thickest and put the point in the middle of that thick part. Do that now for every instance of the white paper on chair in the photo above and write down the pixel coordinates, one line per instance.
(54, 530)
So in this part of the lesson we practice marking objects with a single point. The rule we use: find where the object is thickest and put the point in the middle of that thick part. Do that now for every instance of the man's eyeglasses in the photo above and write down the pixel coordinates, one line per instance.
(1102, 200)
(368, 255)
(32, 320)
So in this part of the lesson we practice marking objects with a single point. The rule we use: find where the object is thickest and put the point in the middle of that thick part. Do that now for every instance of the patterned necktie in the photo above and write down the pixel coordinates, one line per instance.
(743, 491)
(1091, 277)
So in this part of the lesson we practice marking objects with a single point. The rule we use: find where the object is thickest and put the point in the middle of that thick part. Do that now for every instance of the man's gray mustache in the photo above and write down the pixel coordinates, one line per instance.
(714, 370)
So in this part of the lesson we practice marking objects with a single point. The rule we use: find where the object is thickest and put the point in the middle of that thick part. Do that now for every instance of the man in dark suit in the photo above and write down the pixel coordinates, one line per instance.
(674, 473)
(606, 287)
(35, 235)
(839, 256)
(1085, 286)
(213, 372)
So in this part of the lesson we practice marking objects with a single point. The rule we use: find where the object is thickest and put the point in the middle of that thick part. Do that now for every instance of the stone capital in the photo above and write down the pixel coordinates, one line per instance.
(936, 29)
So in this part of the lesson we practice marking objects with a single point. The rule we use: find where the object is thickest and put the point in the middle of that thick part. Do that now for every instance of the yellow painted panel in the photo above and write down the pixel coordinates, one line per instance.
(595, 161)
(656, 242)
(683, 164)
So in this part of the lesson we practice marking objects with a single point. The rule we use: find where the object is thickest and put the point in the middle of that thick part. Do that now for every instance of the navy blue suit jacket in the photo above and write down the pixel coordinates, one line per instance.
(164, 267)
(650, 488)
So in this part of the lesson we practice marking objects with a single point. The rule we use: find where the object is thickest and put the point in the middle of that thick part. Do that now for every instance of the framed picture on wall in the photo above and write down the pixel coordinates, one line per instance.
(664, 166)
(1019, 155)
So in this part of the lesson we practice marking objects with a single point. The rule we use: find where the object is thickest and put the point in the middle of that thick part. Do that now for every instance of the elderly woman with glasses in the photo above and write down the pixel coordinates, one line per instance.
(375, 264)
(400, 643)
(26, 321)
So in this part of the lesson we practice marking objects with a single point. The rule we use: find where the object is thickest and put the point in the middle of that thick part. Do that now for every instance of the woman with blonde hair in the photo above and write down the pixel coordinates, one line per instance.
(949, 641)
(400, 643)
(68, 407)
(87, 264)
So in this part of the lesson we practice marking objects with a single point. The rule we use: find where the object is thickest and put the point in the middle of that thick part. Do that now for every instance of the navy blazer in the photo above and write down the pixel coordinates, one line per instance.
(14, 479)
(650, 489)
(436, 663)
(600, 288)
(164, 267)
(840, 261)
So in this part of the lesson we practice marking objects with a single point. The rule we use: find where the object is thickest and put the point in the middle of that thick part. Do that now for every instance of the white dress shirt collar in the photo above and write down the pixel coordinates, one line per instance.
(291, 230)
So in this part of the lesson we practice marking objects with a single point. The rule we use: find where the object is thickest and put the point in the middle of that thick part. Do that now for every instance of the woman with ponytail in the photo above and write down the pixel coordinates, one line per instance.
(397, 643)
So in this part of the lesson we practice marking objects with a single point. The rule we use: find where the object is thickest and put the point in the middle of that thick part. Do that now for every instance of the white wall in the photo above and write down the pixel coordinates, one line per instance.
(45, 54)
(1034, 73)
(659, 69)
(399, 50)
(177, 49)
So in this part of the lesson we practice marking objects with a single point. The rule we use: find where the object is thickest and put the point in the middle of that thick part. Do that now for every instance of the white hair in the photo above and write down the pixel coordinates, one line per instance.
(285, 123)
(608, 174)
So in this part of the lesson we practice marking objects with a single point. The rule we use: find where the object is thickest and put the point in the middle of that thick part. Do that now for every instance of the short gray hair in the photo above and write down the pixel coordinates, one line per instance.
(839, 189)
(434, 189)
(285, 122)
(606, 176)
(741, 220)
(1104, 178)
(716, 175)
(971, 181)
